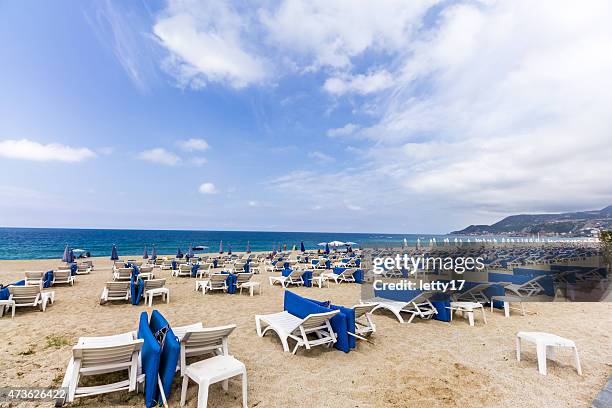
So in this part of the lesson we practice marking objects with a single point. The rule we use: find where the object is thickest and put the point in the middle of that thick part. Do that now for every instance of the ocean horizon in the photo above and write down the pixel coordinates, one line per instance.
(47, 243)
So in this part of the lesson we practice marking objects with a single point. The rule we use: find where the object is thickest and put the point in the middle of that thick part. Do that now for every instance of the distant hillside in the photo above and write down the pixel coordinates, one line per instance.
(574, 224)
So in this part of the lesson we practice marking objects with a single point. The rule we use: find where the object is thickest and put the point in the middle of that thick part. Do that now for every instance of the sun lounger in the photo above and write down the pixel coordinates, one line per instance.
(243, 281)
(115, 291)
(363, 319)
(102, 355)
(216, 281)
(123, 274)
(63, 277)
(155, 287)
(27, 296)
(344, 276)
(33, 278)
(474, 294)
(294, 278)
(83, 269)
(526, 289)
(182, 270)
(198, 341)
(286, 326)
(419, 306)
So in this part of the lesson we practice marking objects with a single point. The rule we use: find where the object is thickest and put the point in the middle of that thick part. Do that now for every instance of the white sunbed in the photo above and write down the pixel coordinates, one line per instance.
(417, 306)
(102, 355)
(286, 326)
(64, 276)
(345, 276)
(182, 270)
(363, 319)
(115, 291)
(155, 287)
(28, 296)
(474, 294)
(34, 278)
(526, 289)
(294, 278)
(123, 274)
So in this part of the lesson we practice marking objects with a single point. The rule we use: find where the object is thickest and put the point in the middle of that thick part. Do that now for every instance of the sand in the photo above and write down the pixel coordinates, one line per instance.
(425, 363)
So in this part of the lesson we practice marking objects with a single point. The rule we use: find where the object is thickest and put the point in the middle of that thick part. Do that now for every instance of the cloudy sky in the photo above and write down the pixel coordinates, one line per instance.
(331, 115)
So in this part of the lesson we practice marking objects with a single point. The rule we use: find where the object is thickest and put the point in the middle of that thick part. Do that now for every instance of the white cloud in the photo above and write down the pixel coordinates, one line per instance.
(320, 156)
(159, 155)
(345, 130)
(191, 145)
(331, 32)
(198, 161)
(253, 203)
(207, 188)
(360, 84)
(25, 149)
(207, 44)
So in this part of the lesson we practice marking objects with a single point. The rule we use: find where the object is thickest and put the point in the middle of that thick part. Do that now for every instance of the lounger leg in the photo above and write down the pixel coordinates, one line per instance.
(518, 348)
(577, 360)
(507, 309)
(484, 317)
(541, 352)
(225, 385)
(184, 390)
(471, 317)
(203, 394)
(244, 389)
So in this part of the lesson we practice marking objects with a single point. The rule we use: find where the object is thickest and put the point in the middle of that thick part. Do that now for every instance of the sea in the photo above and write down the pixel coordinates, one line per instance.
(48, 243)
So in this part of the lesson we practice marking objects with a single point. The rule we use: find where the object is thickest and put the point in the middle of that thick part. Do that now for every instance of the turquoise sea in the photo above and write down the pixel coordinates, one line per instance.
(43, 243)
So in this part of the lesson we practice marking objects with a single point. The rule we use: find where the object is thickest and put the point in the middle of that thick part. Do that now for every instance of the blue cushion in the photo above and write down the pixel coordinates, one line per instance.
(150, 356)
(169, 354)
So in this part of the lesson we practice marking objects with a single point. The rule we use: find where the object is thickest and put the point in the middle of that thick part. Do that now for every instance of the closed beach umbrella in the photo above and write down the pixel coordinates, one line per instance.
(71, 256)
(221, 247)
(190, 252)
(248, 248)
(114, 255)
(230, 249)
(179, 254)
(154, 253)
(66, 256)
(273, 249)
(145, 254)
(326, 248)
(302, 247)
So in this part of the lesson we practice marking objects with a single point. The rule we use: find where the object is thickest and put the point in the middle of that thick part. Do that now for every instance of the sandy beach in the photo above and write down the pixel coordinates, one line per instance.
(425, 363)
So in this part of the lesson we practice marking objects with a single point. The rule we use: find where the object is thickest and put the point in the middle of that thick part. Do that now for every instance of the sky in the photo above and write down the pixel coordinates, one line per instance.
(292, 115)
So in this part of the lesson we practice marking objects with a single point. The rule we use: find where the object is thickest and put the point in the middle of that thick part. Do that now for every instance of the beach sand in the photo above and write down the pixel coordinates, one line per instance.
(425, 363)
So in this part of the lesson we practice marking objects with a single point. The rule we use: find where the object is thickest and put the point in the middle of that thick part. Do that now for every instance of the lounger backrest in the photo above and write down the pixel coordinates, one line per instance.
(24, 294)
(96, 356)
(243, 277)
(34, 275)
(218, 277)
(181, 330)
(239, 267)
(318, 319)
(208, 339)
(154, 283)
(117, 287)
(184, 268)
(146, 269)
(296, 274)
(362, 309)
(422, 297)
(349, 272)
(61, 275)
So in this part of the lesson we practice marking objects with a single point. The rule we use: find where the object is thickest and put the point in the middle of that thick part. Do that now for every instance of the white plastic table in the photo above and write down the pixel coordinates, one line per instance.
(7, 304)
(467, 308)
(47, 297)
(210, 371)
(507, 300)
(546, 342)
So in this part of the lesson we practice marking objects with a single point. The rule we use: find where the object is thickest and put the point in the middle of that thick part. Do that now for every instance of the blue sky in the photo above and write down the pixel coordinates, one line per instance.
(289, 115)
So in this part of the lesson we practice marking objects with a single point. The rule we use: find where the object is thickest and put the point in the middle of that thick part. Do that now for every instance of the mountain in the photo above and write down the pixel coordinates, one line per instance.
(573, 224)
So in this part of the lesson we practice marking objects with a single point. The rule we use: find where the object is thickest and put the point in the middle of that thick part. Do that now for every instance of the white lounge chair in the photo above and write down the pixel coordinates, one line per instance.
(102, 355)
(115, 291)
(474, 294)
(526, 289)
(155, 287)
(218, 368)
(286, 326)
(27, 296)
(294, 278)
(34, 278)
(63, 277)
(216, 281)
(243, 281)
(83, 269)
(319, 277)
(364, 325)
(123, 274)
(344, 276)
(417, 306)
(182, 270)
